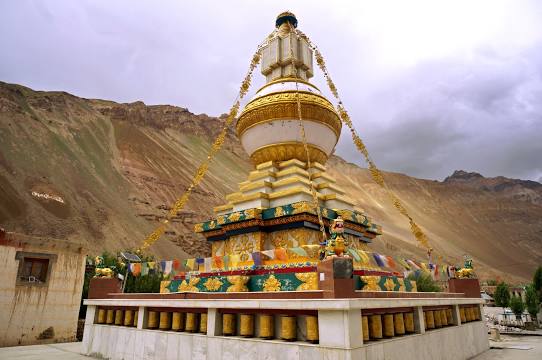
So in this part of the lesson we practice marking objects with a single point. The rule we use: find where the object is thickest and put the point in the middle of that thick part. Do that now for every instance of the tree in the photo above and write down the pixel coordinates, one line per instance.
(531, 301)
(502, 295)
(517, 306)
(492, 282)
(424, 282)
(537, 282)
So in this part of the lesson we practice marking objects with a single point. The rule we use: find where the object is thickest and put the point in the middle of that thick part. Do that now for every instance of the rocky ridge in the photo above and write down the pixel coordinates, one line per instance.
(106, 173)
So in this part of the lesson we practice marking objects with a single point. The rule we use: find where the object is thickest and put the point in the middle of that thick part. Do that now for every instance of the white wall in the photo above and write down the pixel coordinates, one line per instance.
(116, 342)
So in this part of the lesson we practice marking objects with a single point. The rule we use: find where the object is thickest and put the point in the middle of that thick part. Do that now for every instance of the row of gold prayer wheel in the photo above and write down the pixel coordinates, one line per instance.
(470, 313)
(117, 317)
(379, 326)
(244, 325)
(435, 319)
(178, 321)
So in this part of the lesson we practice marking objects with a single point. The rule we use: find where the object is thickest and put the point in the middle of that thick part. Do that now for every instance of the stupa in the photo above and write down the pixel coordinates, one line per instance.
(289, 277)
(269, 232)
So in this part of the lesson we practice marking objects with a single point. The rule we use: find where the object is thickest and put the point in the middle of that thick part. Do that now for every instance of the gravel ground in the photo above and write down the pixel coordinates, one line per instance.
(534, 343)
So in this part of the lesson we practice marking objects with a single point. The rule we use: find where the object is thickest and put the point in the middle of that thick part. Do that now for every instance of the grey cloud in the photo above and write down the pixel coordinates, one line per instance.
(481, 115)
(478, 111)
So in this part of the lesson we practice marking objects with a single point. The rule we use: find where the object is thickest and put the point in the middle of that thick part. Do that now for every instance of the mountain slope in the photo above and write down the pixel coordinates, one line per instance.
(105, 173)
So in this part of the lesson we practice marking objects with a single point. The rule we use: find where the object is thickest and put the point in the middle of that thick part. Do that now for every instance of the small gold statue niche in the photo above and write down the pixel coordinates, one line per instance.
(101, 270)
(337, 244)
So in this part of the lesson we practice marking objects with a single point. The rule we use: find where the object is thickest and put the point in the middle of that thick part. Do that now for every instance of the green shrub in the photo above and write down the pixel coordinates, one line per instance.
(531, 301)
(537, 282)
(516, 305)
(502, 295)
(424, 282)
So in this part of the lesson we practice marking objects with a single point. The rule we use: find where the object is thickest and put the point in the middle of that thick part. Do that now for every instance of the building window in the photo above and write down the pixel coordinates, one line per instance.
(34, 268)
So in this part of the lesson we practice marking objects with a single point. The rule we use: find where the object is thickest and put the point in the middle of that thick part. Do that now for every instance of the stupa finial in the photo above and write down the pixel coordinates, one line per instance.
(286, 16)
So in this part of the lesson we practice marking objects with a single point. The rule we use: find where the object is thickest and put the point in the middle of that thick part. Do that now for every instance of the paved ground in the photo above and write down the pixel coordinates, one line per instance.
(70, 351)
(65, 351)
(534, 343)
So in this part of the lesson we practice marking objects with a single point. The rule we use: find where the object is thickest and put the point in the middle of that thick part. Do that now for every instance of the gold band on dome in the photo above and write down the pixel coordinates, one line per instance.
(282, 106)
(286, 151)
(287, 79)
(288, 96)
(288, 111)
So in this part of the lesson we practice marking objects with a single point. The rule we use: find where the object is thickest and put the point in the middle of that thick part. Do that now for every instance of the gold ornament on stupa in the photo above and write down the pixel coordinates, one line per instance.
(268, 125)
(289, 130)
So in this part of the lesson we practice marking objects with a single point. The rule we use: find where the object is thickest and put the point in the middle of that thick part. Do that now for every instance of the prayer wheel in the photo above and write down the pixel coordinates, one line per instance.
(288, 330)
(177, 321)
(165, 320)
(449, 316)
(375, 327)
(365, 327)
(312, 328)
(203, 323)
(399, 322)
(246, 325)
(119, 317)
(477, 314)
(266, 326)
(191, 324)
(409, 322)
(152, 322)
(430, 319)
(462, 315)
(425, 319)
(228, 324)
(438, 320)
(470, 311)
(101, 316)
(443, 317)
(388, 325)
(128, 317)
(110, 316)
(136, 313)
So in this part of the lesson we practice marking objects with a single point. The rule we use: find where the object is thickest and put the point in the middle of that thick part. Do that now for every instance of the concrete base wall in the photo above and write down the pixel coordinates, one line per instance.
(116, 342)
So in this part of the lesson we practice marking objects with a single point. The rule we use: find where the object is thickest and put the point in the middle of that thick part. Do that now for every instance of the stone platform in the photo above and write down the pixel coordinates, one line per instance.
(443, 327)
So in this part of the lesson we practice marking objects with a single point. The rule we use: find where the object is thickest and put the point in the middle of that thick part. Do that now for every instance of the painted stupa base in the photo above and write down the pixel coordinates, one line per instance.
(267, 238)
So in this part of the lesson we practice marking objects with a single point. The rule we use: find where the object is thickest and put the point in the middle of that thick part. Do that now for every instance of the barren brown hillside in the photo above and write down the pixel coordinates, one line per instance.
(105, 173)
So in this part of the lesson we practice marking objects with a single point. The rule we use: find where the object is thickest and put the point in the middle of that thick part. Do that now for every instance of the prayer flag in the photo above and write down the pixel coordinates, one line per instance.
(391, 263)
(144, 269)
(378, 260)
(269, 253)
(190, 264)
(137, 269)
(257, 258)
(403, 263)
(176, 265)
(354, 254)
(168, 266)
(226, 260)
(163, 266)
(218, 262)
(234, 260)
(207, 264)
(280, 254)
(299, 251)
(364, 257)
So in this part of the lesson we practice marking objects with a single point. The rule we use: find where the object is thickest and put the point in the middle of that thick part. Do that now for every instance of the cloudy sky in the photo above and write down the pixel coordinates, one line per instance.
(433, 86)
